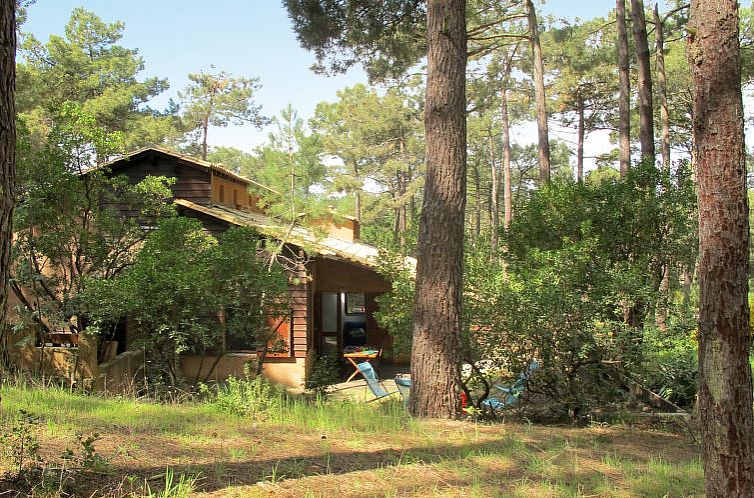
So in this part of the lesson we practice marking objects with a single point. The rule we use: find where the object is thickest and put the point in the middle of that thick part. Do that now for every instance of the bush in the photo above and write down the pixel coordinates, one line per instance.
(323, 374)
(245, 396)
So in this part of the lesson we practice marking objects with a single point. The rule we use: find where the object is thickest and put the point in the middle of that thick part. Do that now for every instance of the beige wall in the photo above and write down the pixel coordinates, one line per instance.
(233, 194)
(67, 363)
(286, 371)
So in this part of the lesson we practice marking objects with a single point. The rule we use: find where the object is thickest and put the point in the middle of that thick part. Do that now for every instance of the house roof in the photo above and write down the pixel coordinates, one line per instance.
(328, 246)
(199, 163)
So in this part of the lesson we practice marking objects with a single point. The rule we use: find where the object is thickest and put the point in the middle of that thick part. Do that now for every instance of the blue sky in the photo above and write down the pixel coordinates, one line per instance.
(245, 38)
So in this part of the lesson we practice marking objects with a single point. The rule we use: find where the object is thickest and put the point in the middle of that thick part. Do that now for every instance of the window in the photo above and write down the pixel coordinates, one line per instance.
(222, 193)
(355, 303)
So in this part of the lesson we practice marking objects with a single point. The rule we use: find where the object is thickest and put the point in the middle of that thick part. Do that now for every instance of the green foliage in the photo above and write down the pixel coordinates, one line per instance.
(87, 456)
(183, 488)
(377, 140)
(387, 37)
(180, 281)
(244, 396)
(290, 163)
(324, 372)
(88, 67)
(670, 362)
(396, 313)
(19, 442)
(218, 100)
(67, 222)
(585, 264)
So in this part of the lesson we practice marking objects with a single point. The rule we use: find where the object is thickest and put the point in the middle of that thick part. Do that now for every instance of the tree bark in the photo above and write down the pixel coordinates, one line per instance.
(646, 116)
(624, 86)
(205, 133)
(539, 94)
(506, 139)
(7, 155)
(580, 141)
(725, 384)
(662, 89)
(494, 197)
(436, 351)
(662, 311)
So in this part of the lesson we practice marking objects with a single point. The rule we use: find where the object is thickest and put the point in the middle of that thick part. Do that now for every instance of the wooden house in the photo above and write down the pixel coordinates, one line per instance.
(332, 290)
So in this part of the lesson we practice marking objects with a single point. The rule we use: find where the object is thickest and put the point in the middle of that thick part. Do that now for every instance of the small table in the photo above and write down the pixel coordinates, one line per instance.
(360, 355)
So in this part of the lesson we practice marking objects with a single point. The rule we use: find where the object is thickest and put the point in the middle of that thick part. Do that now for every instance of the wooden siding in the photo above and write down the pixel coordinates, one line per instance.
(334, 276)
(299, 294)
(192, 183)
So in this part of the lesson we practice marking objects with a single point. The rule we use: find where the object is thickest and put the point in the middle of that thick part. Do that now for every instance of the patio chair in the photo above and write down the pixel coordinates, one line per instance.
(374, 383)
(509, 395)
(404, 387)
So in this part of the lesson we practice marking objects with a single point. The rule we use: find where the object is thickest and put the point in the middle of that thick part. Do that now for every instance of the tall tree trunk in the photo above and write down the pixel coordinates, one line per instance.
(477, 201)
(357, 193)
(662, 89)
(662, 311)
(7, 155)
(506, 140)
(580, 140)
(641, 46)
(436, 351)
(494, 197)
(539, 94)
(205, 133)
(725, 384)
(624, 87)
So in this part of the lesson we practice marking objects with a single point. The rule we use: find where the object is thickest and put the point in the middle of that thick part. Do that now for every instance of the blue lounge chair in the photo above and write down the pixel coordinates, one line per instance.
(373, 382)
(404, 387)
(509, 395)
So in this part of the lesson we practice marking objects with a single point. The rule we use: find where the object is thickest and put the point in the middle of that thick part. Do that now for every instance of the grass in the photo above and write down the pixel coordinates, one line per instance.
(337, 448)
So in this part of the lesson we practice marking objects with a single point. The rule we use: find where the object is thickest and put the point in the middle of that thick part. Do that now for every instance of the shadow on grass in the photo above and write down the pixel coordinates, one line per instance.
(505, 463)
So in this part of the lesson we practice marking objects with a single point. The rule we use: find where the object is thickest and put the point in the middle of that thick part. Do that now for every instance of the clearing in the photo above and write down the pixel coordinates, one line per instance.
(339, 449)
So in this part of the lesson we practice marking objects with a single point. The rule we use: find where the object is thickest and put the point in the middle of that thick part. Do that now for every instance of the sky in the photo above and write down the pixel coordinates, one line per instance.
(250, 38)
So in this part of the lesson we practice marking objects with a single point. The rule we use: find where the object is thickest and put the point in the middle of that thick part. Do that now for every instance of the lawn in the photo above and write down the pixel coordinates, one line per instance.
(339, 449)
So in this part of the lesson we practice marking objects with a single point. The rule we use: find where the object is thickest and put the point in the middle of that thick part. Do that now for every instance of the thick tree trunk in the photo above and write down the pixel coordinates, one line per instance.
(7, 154)
(646, 117)
(539, 94)
(624, 87)
(436, 351)
(725, 384)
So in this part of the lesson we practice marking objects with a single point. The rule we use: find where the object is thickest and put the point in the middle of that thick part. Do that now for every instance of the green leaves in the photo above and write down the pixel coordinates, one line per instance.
(87, 66)
(188, 293)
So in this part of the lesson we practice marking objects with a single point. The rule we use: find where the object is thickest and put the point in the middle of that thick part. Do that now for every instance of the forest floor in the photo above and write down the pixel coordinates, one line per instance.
(146, 449)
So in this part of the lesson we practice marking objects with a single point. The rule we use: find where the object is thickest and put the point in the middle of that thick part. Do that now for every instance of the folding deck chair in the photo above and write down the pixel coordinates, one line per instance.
(509, 395)
(376, 386)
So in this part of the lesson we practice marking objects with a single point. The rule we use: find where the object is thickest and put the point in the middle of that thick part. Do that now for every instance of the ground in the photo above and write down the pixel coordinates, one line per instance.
(343, 450)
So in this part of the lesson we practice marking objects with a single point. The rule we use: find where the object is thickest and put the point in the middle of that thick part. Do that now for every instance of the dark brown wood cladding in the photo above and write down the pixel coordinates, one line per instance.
(192, 183)
(299, 307)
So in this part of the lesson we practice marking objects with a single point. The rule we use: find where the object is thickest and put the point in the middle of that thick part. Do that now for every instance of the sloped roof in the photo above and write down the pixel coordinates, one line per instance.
(355, 252)
(199, 163)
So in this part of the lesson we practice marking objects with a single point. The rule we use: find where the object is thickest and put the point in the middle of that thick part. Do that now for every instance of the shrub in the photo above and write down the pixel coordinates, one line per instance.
(245, 396)
(323, 374)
